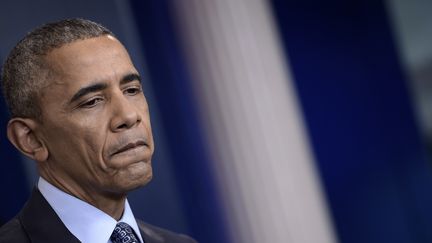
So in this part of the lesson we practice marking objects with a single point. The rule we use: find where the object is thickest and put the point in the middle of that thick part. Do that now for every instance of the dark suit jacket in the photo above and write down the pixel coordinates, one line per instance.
(38, 223)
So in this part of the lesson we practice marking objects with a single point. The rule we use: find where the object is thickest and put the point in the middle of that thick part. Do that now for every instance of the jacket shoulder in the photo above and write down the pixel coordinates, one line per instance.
(157, 234)
(13, 232)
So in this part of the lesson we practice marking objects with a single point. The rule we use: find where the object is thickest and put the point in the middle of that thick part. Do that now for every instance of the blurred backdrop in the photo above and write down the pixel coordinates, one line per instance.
(274, 121)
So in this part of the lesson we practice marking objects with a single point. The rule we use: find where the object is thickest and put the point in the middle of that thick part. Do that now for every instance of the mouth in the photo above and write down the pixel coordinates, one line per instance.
(130, 146)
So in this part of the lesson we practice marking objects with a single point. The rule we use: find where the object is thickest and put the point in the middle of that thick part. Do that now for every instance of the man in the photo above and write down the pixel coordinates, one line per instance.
(79, 111)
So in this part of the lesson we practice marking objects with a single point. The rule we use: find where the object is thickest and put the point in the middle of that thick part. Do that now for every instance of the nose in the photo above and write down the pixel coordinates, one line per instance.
(124, 114)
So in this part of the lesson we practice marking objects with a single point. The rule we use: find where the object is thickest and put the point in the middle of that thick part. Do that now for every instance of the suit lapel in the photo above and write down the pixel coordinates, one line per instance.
(41, 222)
(149, 235)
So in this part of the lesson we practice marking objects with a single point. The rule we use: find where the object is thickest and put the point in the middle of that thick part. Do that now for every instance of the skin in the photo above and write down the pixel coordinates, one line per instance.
(96, 146)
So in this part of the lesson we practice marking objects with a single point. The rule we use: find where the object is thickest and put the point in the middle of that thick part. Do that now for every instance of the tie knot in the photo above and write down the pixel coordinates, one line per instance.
(123, 233)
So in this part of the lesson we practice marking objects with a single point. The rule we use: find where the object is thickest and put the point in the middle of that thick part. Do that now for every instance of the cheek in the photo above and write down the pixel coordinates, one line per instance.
(147, 121)
(76, 141)
(93, 141)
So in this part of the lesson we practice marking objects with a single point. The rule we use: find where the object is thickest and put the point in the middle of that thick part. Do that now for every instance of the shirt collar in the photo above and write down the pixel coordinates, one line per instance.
(84, 221)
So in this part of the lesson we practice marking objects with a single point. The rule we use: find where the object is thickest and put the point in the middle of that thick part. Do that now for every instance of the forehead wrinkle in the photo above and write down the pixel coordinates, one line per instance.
(60, 64)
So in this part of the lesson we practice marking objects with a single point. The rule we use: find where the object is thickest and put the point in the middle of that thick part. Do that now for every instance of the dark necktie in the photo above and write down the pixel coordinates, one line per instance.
(123, 233)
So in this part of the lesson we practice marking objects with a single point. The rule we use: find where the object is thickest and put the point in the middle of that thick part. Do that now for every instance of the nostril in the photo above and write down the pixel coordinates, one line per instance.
(124, 117)
(122, 126)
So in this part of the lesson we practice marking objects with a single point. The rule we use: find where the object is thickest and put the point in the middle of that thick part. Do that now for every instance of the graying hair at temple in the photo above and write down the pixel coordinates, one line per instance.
(25, 71)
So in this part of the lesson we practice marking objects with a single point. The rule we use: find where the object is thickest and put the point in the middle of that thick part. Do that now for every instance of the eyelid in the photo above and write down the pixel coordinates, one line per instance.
(85, 104)
(137, 87)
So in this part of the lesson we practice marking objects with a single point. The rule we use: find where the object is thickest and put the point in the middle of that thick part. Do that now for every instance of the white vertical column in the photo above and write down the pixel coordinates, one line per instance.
(262, 158)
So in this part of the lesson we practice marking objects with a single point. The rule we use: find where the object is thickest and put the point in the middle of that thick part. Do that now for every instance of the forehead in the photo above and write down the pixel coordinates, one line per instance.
(74, 65)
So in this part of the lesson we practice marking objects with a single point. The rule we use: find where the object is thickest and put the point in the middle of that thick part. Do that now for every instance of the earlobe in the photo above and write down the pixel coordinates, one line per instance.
(21, 133)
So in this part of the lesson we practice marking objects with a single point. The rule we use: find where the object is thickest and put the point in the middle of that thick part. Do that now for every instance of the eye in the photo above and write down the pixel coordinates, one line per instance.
(91, 103)
(133, 90)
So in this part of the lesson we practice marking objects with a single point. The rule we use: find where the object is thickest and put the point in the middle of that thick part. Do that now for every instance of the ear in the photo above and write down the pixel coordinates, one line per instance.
(21, 133)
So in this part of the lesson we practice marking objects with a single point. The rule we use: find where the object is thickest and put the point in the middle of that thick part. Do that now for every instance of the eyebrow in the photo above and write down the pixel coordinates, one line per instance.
(101, 86)
(130, 78)
(88, 89)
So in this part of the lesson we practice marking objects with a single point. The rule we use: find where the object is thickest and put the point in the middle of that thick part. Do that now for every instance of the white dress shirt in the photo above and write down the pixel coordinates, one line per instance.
(84, 221)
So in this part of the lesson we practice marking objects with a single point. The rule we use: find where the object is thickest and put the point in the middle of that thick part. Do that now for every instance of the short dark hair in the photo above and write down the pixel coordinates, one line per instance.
(25, 70)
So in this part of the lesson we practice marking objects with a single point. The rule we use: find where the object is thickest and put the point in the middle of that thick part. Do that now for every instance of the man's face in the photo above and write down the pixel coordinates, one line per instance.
(95, 120)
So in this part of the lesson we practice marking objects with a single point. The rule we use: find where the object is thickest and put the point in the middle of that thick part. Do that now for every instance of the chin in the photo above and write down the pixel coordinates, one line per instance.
(135, 176)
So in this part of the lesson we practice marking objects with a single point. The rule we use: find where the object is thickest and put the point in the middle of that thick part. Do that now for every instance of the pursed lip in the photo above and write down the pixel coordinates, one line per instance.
(129, 146)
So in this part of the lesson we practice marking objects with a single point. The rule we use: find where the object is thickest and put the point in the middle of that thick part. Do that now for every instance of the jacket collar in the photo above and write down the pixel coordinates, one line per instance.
(41, 222)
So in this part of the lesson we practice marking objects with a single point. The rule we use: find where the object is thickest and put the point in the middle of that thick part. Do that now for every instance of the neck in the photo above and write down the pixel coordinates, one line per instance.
(110, 203)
